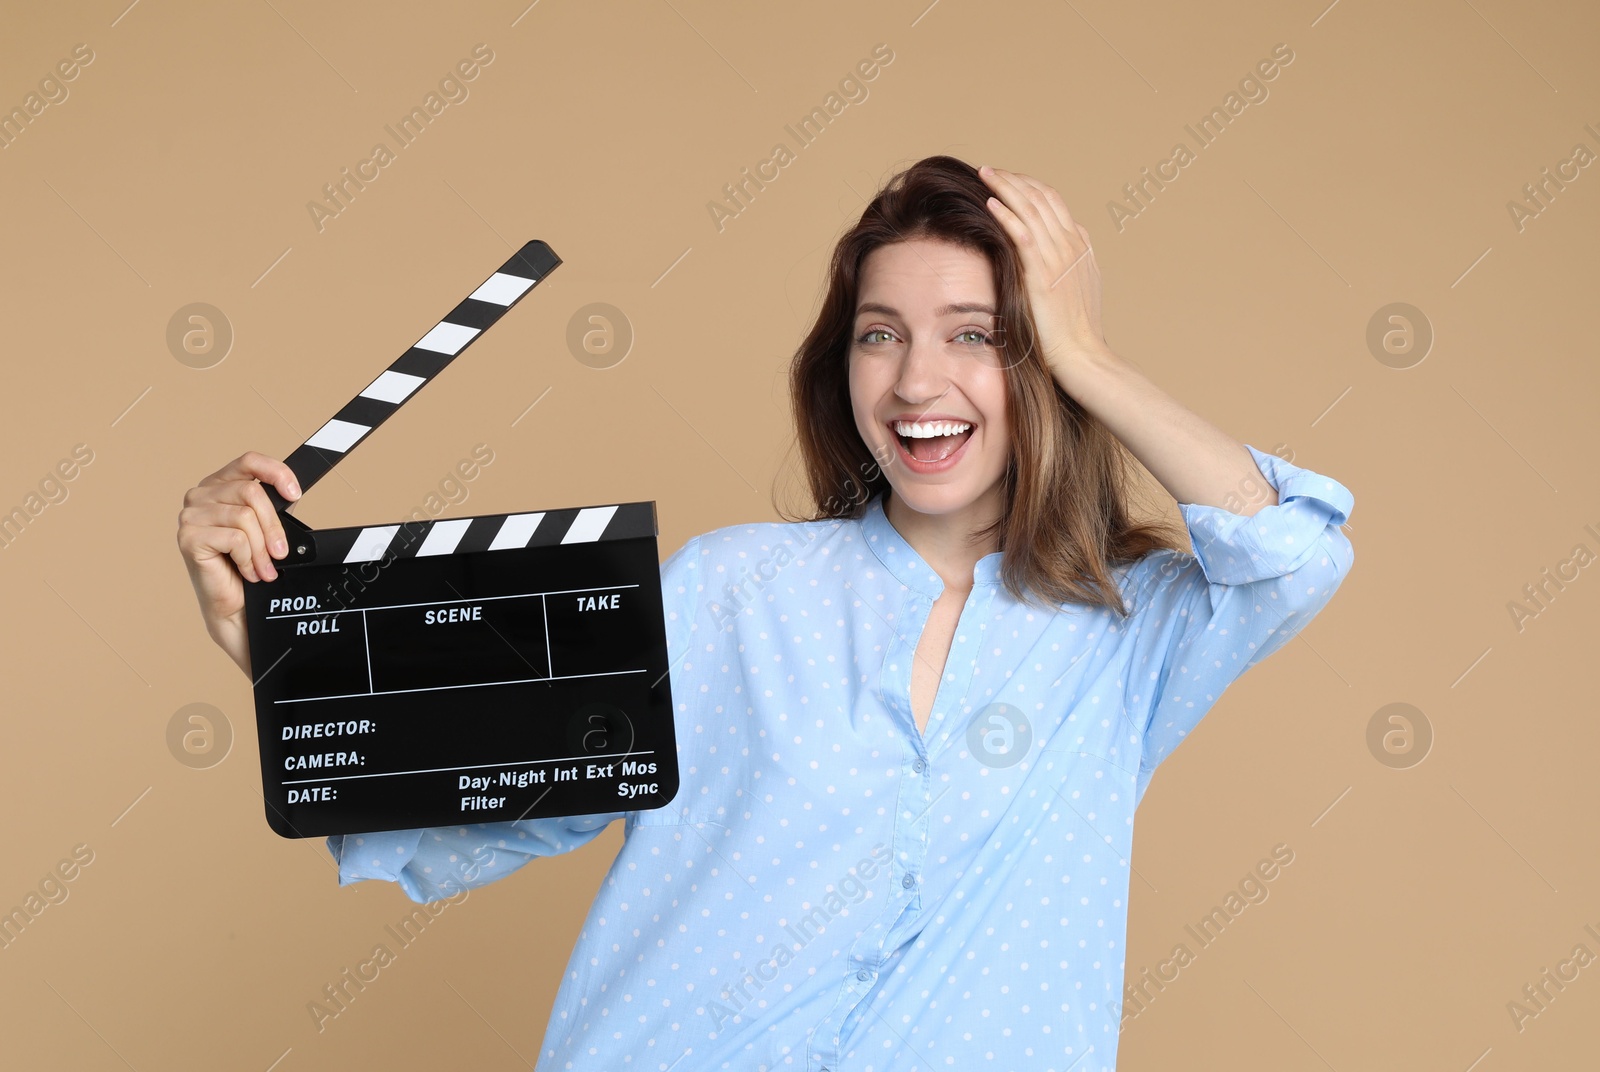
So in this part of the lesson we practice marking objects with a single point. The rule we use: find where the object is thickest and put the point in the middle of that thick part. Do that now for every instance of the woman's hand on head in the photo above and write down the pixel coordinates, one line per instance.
(1059, 268)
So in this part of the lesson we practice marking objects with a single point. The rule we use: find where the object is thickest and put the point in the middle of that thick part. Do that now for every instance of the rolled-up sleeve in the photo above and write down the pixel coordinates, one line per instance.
(1201, 620)
(438, 862)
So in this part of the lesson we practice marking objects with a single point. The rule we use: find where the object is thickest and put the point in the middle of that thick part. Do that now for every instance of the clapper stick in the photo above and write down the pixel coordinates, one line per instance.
(427, 357)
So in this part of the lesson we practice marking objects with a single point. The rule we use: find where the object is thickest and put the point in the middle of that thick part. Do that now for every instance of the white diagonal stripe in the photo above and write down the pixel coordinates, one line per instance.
(446, 338)
(502, 289)
(444, 536)
(516, 531)
(338, 435)
(372, 543)
(392, 386)
(589, 524)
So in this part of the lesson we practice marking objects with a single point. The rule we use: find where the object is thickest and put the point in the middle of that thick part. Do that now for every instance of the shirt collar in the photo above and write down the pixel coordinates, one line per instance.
(902, 560)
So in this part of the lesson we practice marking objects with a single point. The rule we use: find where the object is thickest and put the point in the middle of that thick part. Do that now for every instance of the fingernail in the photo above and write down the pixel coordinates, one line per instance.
(280, 547)
(294, 489)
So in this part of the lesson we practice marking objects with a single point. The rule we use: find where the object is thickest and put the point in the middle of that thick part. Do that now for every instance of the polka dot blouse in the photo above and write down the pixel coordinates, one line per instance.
(833, 889)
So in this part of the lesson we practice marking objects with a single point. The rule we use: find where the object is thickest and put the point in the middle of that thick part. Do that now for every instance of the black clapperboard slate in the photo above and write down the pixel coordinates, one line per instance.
(454, 671)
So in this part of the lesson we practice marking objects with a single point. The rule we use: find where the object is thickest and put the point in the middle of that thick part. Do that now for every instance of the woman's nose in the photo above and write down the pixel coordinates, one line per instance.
(924, 374)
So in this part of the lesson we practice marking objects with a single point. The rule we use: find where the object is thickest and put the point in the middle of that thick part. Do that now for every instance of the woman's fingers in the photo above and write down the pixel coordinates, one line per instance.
(252, 465)
(238, 486)
(1063, 280)
(1044, 214)
(1011, 194)
(202, 544)
(237, 545)
(232, 529)
(1040, 221)
(266, 518)
(1037, 228)
(244, 494)
(1053, 201)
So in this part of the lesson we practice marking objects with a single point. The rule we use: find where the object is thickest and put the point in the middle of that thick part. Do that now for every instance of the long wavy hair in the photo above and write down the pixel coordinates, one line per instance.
(1066, 519)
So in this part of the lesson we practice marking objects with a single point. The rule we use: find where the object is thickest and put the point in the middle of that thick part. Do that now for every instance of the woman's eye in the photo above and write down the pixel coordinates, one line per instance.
(978, 336)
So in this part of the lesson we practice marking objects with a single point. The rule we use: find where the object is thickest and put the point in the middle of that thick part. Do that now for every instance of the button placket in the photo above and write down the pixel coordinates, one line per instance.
(866, 952)
(894, 690)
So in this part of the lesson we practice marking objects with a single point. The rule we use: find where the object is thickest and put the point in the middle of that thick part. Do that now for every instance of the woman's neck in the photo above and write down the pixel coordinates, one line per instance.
(942, 540)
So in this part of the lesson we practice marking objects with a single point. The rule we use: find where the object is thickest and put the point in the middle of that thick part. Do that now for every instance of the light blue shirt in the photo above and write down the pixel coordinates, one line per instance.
(831, 888)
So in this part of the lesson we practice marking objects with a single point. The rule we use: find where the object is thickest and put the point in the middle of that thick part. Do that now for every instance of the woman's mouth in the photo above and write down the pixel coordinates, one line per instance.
(929, 446)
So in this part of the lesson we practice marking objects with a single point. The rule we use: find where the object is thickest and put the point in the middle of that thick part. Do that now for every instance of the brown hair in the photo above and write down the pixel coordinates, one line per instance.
(1066, 517)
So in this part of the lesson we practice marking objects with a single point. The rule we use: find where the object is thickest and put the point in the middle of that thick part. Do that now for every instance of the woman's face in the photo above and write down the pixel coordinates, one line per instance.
(924, 350)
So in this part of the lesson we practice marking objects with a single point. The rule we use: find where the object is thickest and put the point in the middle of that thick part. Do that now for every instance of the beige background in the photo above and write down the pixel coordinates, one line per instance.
(1420, 901)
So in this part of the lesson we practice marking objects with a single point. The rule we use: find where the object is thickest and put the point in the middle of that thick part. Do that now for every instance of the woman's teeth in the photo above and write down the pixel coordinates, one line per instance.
(932, 441)
(929, 429)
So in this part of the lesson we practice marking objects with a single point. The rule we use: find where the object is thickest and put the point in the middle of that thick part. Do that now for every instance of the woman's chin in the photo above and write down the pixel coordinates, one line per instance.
(928, 498)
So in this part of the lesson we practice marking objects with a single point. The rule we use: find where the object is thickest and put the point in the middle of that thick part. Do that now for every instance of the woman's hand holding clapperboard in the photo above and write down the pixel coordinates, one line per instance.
(229, 533)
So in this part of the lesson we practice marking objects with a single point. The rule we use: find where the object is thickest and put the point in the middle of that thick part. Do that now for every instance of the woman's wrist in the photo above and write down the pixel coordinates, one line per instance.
(230, 635)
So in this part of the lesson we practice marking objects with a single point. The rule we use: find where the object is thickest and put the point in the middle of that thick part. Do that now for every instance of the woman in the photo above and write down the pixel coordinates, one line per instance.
(912, 729)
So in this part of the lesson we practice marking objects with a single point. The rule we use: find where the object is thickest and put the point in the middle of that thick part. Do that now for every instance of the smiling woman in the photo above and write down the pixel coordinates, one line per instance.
(925, 373)
(879, 744)
(910, 330)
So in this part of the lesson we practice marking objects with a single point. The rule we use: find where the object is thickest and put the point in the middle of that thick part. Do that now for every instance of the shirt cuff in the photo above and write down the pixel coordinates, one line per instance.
(1278, 539)
(382, 855)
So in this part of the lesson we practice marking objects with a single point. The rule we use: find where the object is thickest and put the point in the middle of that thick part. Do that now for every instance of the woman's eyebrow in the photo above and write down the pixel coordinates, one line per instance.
(947, 310)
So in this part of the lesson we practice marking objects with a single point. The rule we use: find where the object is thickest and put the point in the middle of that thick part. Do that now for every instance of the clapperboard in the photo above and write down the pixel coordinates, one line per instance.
(444, 672)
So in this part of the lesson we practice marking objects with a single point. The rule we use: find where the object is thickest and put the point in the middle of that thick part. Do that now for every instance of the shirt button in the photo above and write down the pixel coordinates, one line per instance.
(909, 880)
(863, 975)
(919, 766)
